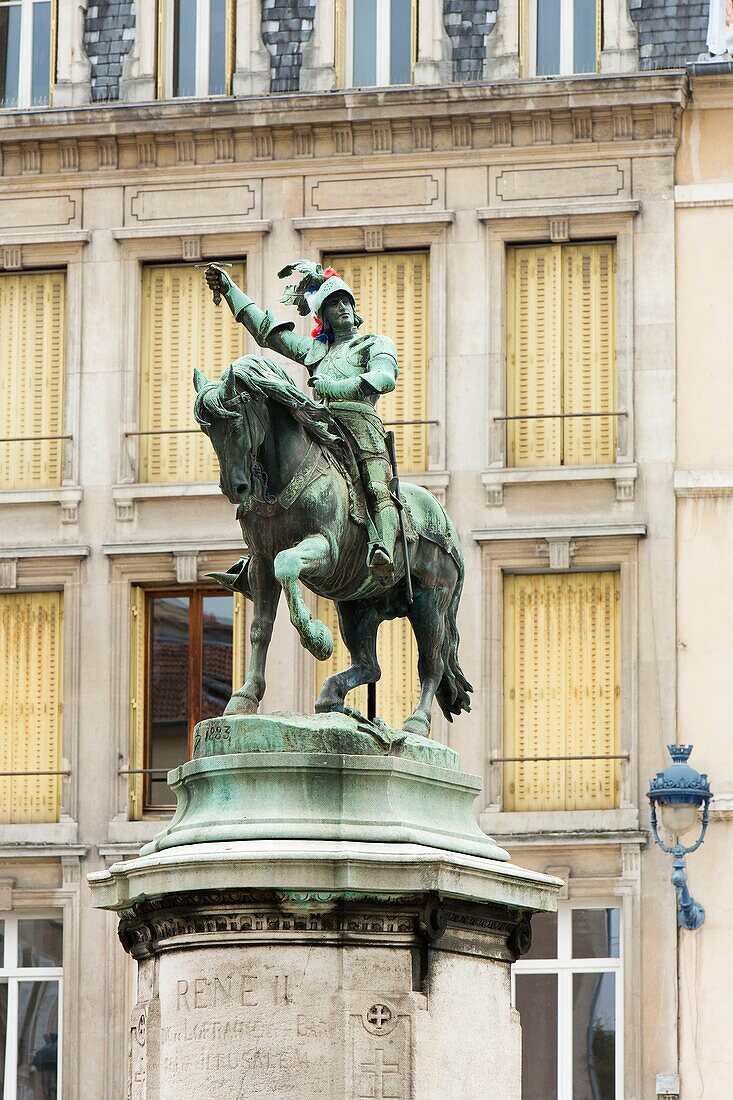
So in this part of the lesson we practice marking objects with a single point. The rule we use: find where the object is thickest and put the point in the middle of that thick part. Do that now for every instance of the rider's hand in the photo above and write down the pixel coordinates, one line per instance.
(216, 280)
(345, 389)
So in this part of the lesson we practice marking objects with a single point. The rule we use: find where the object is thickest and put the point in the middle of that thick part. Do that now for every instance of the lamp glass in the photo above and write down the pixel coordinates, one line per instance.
(678, 818)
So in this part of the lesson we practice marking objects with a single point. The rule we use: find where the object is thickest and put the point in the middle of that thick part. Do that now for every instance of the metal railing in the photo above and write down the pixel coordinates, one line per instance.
(196, 431)
(537, 759)
(33, 438)
(13, 775)
(558, 416)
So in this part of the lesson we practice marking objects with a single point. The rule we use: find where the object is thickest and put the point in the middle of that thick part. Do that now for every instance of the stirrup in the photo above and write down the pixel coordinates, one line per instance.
(379, 560)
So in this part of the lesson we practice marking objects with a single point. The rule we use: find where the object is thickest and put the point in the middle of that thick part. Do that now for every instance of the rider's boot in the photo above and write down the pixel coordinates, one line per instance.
(380, 559)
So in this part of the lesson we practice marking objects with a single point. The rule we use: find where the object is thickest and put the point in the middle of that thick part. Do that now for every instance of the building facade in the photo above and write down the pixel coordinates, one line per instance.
(503, 185)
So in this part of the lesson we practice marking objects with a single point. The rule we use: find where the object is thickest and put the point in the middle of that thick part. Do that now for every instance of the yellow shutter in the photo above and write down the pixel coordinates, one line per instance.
(161, 48)
(137, 699)
(339, 42)
(589, 352)
(231, 43)
(524, 38)
(181, 329)
(32, 334)
(534, 350)
(239, 641)
(561, 690)
(399, 688)
(31, 670)
(392, 292)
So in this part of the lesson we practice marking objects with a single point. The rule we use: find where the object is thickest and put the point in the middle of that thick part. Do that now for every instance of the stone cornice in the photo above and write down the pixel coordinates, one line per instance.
(454, 120)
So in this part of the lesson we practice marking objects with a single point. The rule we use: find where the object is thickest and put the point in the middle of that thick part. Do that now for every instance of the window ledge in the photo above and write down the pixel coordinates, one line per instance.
(192, 229)
(26, 837)
(583, 825)
(133, 834)
(436, 481)
(67, 496)
(560, 208)
(494, 480)
(127, 496)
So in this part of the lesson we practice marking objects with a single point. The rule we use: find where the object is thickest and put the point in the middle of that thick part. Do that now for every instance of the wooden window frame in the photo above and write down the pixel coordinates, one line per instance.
(344, 46)
(526, 226)
(13, 976)
(564, 373)
(26, 55)
(503, 553)
(140, 668)
(564, 966)
(165, 32)
(528, 39)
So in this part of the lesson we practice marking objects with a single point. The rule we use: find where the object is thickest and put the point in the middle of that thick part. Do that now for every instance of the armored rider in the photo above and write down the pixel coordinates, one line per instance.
(348, 372)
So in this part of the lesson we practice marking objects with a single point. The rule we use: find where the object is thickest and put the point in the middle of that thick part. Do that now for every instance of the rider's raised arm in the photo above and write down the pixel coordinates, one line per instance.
(269, 333)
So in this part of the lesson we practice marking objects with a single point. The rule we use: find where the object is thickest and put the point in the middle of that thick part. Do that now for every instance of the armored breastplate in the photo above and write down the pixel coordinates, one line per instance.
(339, 362)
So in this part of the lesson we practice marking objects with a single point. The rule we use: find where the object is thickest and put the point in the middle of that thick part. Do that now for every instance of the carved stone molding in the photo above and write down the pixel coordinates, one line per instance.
(8, 575)
(13, 258)
(382, 137)
(343, 140)
(150, 926)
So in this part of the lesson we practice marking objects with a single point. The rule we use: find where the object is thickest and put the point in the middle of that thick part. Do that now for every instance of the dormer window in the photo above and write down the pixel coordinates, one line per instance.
(196, 39)
(25, 53)
(378, 42)
(564, 37)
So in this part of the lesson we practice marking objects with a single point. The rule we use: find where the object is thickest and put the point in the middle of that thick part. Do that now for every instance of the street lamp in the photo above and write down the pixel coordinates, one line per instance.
(680, 791)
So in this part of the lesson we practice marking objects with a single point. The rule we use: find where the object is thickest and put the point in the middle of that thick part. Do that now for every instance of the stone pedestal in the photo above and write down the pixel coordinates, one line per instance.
(340, 966)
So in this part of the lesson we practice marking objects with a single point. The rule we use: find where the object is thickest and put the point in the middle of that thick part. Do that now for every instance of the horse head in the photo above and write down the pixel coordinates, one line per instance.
(235, 418)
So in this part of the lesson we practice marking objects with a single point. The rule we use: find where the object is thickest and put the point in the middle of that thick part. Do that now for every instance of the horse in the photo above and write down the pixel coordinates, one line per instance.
(289, 470)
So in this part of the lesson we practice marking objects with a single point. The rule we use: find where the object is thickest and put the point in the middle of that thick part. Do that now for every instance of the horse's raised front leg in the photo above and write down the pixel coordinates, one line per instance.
(265, 597)
(359, 622)
(311, 554)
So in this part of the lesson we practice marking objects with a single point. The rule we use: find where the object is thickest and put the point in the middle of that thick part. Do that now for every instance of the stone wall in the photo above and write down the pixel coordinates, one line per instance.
(109, 31)
(468, 24)
(286, 27)
(671, 32)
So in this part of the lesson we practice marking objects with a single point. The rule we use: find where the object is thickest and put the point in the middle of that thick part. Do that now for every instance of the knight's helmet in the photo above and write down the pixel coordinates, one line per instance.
(313, 290)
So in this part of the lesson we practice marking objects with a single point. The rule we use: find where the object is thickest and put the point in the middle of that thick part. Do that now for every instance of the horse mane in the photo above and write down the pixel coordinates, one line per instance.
(241, 391)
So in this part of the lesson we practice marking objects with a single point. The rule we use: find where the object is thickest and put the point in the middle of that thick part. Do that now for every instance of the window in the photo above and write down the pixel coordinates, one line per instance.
(399, 688)
(561, 355)
(32, 379)
(391, 290)
(375, 42)
(568, 990)
(181, 329)
(186, 659)
(196, 47)
(26, 54)
(561, 691)
(31, 960)
(563, 36)
(31, 630)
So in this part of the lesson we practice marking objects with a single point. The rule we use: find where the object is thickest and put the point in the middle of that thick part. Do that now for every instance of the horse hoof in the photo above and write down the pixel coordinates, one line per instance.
(417, 723)
(329, 706)
(241, 704)
(319, 640)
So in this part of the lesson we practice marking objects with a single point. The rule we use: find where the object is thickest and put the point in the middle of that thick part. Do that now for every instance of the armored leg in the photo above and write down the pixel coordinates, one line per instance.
(375, 474)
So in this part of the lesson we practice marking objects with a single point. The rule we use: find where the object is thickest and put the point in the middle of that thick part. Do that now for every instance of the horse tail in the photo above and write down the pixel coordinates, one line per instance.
(453, 690)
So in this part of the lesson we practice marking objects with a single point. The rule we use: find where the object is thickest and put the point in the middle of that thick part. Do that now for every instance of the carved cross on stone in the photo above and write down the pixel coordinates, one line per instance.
(379, 1015)
(377, 1069)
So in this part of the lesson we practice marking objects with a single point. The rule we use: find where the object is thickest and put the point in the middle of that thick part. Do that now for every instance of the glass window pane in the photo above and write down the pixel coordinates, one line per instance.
(184, 48)
(169, 692)
(38, 1032)
(400, 42)
(365, 43)
(594, 1036)
(536, 1000)
(548, 37)
(584, 37)
(217, 47)
(9, 55)
(216, 672)
(41, 62)
(596, 933)
(40, 943)
(544, 937)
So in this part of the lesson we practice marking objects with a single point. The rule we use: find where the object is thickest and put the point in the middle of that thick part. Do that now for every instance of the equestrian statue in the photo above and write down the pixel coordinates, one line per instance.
(318, 498)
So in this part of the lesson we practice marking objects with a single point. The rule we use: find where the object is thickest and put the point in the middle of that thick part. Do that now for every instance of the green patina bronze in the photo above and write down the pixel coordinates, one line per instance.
(318, 503)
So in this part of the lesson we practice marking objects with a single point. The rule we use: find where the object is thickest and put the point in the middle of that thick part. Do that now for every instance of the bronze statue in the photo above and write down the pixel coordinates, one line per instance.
(316, 503)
